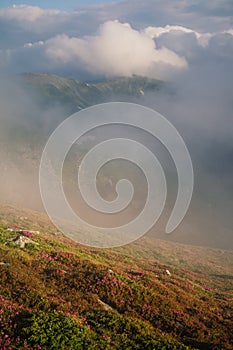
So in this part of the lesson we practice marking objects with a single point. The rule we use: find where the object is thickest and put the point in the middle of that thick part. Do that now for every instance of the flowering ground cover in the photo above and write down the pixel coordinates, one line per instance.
(60, 295)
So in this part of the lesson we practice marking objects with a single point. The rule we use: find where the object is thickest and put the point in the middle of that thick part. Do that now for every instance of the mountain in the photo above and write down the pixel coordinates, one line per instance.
(35, 105)
(57, 294)
(77, 95)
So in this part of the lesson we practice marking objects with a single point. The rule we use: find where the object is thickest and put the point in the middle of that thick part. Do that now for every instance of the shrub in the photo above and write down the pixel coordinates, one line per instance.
(55, 330)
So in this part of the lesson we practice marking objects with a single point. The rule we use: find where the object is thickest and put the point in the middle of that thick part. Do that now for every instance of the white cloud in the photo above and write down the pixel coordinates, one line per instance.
(37, 43)
(229, 31)
(70, 42)
(117, 49)
(32, 23)
(19, 21)
(156, 32)
(25, 13)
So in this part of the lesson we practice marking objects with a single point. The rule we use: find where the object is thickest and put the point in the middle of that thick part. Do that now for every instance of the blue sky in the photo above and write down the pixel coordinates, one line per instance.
(58, 4)
(159, 38)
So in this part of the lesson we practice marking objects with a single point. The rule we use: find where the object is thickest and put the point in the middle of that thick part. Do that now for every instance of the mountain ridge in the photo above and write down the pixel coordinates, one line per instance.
(79, 94)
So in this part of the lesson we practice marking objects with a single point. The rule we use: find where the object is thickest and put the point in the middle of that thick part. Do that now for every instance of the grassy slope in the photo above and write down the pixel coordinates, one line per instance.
(74, 94)
(61, 282)
(58, 283)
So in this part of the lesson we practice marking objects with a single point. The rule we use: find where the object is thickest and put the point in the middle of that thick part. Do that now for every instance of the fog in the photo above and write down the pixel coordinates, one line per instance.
(201, 109)
(188, 103)
(174, 44)
(25, 127)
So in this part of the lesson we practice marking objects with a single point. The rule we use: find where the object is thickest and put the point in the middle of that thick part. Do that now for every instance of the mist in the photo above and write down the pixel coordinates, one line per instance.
(188, 103)
(25, 127)
(201, 109)
(193, 59)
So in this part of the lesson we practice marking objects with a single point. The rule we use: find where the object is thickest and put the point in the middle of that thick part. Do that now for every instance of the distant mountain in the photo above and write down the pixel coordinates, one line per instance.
(76, 95)
(34, 105)
(57, 294)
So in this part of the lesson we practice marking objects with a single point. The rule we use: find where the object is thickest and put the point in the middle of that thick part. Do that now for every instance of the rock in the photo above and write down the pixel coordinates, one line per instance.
(21, 241)
(57, 234)
(180, 325)
(105, 306)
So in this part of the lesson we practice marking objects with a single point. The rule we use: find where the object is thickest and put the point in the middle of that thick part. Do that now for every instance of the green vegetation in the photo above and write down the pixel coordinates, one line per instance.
(60, 295)
(74, 94)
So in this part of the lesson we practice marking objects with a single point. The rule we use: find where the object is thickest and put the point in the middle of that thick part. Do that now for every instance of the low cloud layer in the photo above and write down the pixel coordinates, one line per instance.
(188, 43)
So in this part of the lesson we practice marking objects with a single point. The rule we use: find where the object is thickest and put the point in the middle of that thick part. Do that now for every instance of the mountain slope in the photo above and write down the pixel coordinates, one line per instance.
(121, 298)
(78, 95)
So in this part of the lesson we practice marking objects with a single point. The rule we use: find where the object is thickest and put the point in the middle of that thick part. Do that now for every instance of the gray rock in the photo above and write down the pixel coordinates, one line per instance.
(21, 241)
(105, 306)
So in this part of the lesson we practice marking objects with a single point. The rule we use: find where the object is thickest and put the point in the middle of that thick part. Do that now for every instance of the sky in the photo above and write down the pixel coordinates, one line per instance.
(187, 43)
(154, 38)
(59, 4)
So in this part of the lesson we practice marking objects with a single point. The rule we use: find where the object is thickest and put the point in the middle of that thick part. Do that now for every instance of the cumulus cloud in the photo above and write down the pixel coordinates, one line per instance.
(156, 32)
(117, 49)
(203, 16)
(20, 24)
(25, 13)
(32, 19)
(92, 43)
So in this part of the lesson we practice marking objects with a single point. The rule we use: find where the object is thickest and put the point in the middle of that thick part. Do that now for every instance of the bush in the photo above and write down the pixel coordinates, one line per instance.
(55, 330)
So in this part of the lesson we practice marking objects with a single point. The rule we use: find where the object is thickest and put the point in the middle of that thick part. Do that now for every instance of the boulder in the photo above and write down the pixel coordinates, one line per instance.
(21, 241)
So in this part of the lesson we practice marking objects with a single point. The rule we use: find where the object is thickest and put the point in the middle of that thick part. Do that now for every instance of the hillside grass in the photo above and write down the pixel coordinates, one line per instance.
(61, 295)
